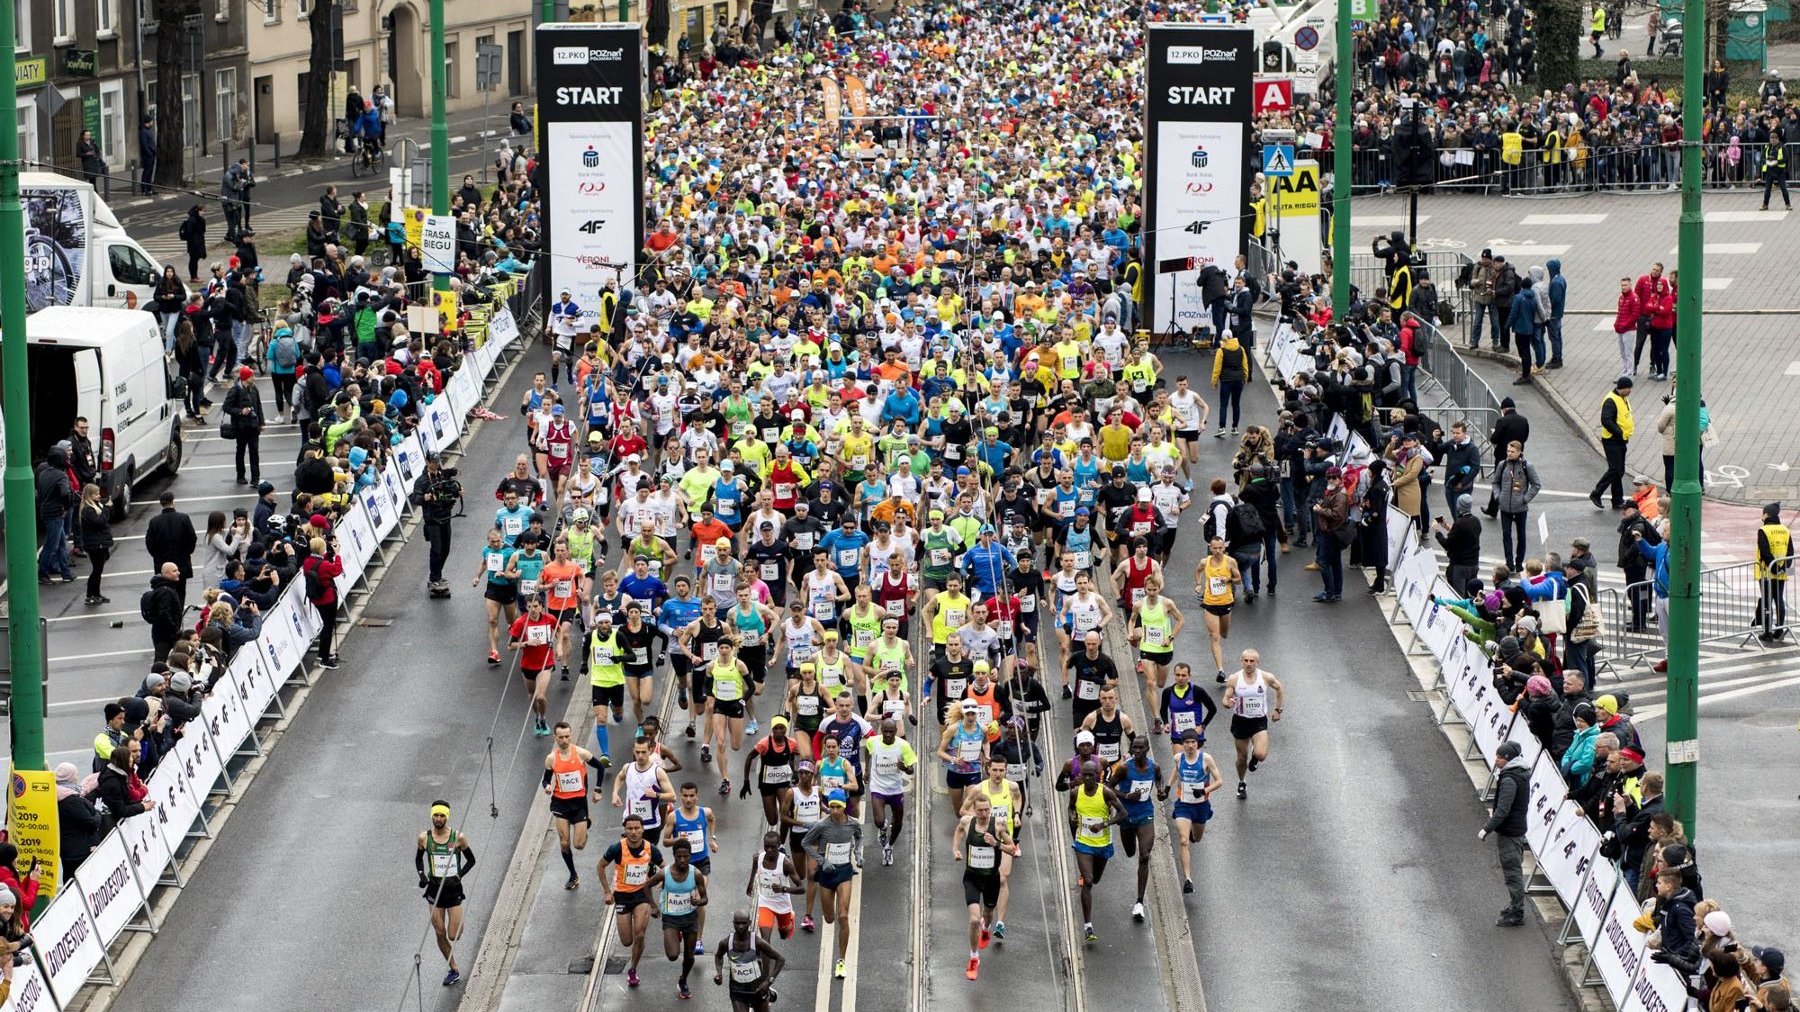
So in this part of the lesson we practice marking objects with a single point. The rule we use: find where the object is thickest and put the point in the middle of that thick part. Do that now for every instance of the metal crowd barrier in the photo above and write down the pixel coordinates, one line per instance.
(1735, 608)
(1631, 168)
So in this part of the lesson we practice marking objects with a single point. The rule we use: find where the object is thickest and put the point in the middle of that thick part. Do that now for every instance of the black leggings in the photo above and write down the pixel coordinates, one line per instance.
(97, 565)
(284, 390)
(328, 617)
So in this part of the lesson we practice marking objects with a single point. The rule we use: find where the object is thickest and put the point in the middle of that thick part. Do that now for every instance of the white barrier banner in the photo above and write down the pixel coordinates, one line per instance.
(110, 888)
(1596, 892)
(199, 759)
(1547, 790)
(30, 992)
(144, 842)
(484, 355)
(464, 391)
(68, 944)
(177, 802)
(303, 620)
(1401, 542)
(356, 543)
(437, 425)
(227, 720)
(1469, 687)
(1529, 746)
(281, 641)
(410, 457)
(1657, 989)
(253, 687)
(1440, 629)
(503, 328)
(376, 507)
(1419, 570)
(395, 490)
(1489, 723)
(1619, 950)
(1572, 845)
(1338, 429)
(1357, 451)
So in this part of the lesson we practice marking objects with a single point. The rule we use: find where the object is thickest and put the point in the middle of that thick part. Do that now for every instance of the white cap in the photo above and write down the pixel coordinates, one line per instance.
(1084, 737)
(726, 465)
(797, 415)
(1143, 495)
(632, 458)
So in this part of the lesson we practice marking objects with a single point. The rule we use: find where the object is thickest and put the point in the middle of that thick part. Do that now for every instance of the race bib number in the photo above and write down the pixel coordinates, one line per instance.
(561, 589)
(1087, 690)
(847, 557)
(528, 587)
(641, 808)
(512, 526)
(769, 572)
(680, 904)
(1183, 721)
(1217, 585)
(537, 635)
(981, 858)
(568, 781)
(1137, 596)
(954, 687)
(1015, 772)
(803, 541)
(637, 874)
(1140, 529)
(769, 436)
(723, 582)
(837, 853)
(559, 451)
(640, 656)
(1192, 792)
(443, 865)
(1083, 558)
(777, 774)
(746, 973)
(1005, 628)
(1156, 636)
(940, 556)
(807, 706)
(1109, 751)
(1066, 509)
(1092, 826)
(897, 608)
(1028, 603)
(1254, 706)
(824, 611)
(968, 751)
(955, 617)
(494, 562)
(784, 490)
(709, 651)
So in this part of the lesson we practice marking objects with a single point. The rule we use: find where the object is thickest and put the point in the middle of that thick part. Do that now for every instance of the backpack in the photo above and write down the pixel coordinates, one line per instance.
(1243, 524)
(147, 607)
(315, 586)
(286, 351)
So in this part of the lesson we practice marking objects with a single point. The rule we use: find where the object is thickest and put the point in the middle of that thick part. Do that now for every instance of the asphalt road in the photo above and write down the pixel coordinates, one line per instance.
(309, 899)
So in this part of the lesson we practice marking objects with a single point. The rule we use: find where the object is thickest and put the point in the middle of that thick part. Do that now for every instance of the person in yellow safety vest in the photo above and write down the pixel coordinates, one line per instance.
(1774, 548)
(1615, 435)
(1598, 28)
(1400, 287)
(609, 308)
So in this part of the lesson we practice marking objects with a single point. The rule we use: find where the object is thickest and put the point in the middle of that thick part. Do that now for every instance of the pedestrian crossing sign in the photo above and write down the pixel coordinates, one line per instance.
(1278, 160)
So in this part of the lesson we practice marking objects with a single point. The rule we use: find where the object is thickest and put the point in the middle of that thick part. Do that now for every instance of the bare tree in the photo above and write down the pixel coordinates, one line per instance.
(171, 36)
(314, 133)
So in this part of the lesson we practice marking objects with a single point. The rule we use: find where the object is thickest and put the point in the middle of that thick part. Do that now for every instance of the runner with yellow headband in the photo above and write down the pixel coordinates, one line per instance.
(443, 858)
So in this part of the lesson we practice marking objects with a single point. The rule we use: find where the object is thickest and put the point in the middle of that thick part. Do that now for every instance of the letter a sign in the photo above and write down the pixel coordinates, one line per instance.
(1274, 96)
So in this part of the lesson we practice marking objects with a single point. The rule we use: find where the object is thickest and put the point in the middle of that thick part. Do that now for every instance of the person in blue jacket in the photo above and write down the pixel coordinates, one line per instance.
(1521, 322)
(987, 562)
(1559, 298)
(1657, 558)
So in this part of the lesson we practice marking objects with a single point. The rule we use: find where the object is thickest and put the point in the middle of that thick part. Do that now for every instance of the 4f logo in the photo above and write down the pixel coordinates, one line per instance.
(591, 227)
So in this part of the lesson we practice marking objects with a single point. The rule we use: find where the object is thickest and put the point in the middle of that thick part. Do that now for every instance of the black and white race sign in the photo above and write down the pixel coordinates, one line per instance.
(590, 114)
(1197, 130)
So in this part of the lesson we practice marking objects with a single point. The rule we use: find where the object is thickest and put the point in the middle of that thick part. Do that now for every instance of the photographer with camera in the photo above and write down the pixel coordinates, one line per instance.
(439, 494)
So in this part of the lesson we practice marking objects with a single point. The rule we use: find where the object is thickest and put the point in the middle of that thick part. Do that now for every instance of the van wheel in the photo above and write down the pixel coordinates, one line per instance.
(121, 506)
(172, 457)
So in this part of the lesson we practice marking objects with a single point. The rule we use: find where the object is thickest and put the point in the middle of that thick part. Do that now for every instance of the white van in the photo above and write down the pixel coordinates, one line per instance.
(107, 366)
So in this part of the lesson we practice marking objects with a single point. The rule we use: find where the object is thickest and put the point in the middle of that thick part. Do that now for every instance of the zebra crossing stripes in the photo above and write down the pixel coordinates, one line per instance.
(169, 248)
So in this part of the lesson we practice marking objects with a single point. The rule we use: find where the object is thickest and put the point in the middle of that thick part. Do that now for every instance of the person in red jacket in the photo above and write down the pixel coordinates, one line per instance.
(1651, 289)
(25, 886)
(1409, 348)
(1662, 329)
(327, 567)
(1625, 323)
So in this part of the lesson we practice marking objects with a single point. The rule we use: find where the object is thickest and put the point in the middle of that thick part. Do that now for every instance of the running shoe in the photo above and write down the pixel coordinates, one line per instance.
(1243, 790)
(999, 929)
(493, 657)
(690, 730)
(974, 967)
(1220, 677)
(986, 937)
(329, 663)
(451, 978)
(839, 972)
(806, 923)
(573, 883)
(724, 788)
(1137, 911)
(541, 729)
(1254, 763)
(705, 752)
(887, 857)
(631, 978)
(752, 726)
(699, 948)
(682, 992)
(1187, 885)
(565, 671)
(1087, 932)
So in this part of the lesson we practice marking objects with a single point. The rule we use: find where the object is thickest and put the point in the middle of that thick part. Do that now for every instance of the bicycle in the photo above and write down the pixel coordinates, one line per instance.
(367, 158)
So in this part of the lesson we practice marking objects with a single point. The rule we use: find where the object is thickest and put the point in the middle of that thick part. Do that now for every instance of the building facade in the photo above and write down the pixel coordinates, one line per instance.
(78, 67)
(381, 42)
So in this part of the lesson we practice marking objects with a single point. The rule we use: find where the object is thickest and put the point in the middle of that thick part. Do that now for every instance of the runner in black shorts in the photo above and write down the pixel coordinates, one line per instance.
(443, 858)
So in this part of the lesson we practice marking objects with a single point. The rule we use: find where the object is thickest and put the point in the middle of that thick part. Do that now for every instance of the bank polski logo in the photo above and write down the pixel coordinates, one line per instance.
(1199, 158)
(590, 158)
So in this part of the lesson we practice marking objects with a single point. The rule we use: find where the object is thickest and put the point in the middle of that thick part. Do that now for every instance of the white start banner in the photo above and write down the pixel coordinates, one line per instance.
(591, 79)
(1198, 113)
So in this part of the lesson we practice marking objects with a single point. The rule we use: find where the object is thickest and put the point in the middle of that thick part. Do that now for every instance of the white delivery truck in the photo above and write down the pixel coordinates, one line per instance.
(105, 365)
(76, 252)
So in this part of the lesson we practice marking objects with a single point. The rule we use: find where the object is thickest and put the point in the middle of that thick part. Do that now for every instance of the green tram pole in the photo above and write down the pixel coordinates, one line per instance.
(440, 133)
(1683, 757)
(1340, 157)
(24, 644)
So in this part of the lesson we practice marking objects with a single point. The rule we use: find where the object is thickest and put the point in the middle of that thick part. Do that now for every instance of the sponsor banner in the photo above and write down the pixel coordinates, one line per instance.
(591, 83)
(1401, 538)
(376, 505)
(410, 456)
(56, 244)
(110, 887)
(857, 95)
(1658, 988)
(395, 490)
(834, 103)
(1547, 790)
(177, 801)
(503, 329)
(32, 824)
(282, 640)
(1599, 889)
(199, 759)
(1572, 845)
(30, 992)
(66, 941)
(144, 842)
(1619, 951)
(356, 543)
(1300, 211)
(1198, 113)
(437, 425)
(437, 243)
(464, 391)
(228, 720)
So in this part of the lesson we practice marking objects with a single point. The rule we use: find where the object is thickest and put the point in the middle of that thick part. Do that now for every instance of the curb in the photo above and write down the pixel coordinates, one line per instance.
(100, 998)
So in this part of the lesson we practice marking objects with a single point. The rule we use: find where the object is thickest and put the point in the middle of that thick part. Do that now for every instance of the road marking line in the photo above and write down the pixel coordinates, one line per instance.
(1525, 250)
(91, 657)
(1604, 323)
(1562, 219)
(1726, 248)
(1732, 217)
(1656, 712)
(852, 952)
(1387, 220)
(1727, 684)
(1715, 284)
(91, 614)
(83, 702)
